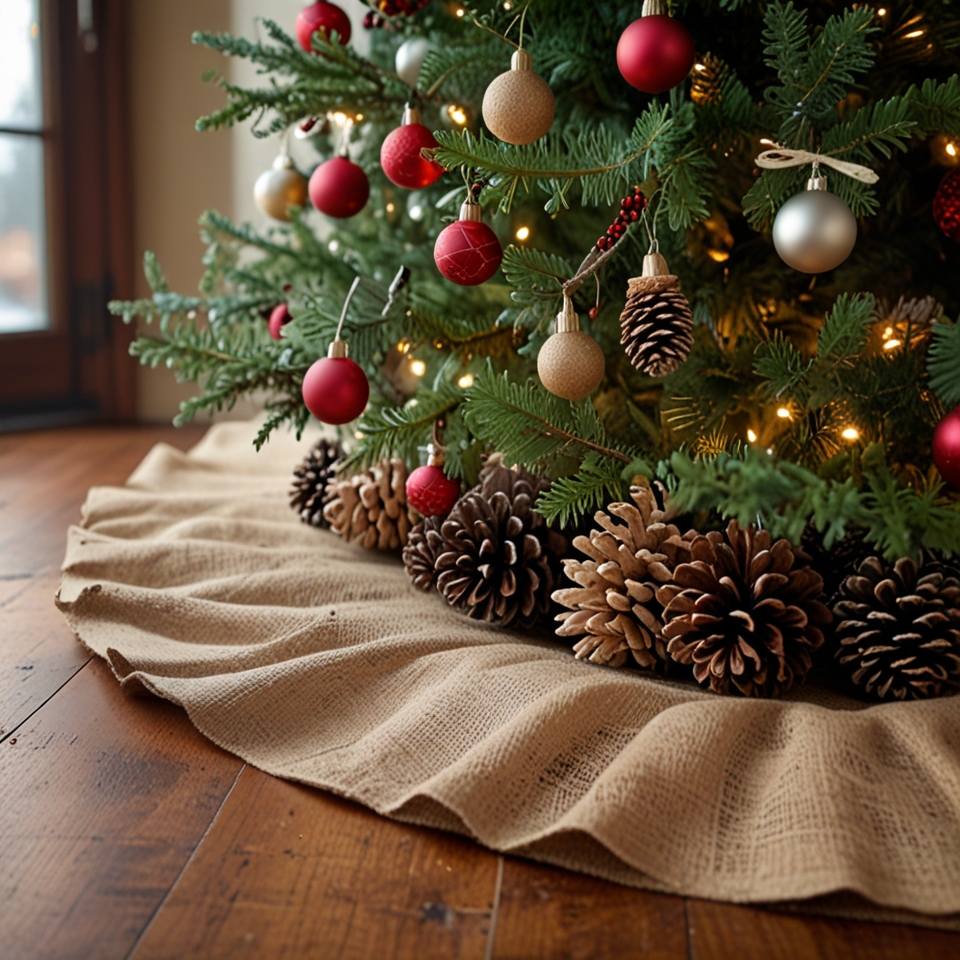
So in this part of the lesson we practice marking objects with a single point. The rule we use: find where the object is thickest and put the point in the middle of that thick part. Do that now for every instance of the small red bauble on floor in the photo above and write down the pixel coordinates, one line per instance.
(339, 188)
(279, 317)
(946, 205)
(946, 448)
(431, 492)
(656, 52)
(324, 17)
(400, 154)
(335, 389)
(468, 251)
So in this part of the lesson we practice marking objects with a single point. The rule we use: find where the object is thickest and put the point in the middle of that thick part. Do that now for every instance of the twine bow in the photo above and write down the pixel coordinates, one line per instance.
(781, 157)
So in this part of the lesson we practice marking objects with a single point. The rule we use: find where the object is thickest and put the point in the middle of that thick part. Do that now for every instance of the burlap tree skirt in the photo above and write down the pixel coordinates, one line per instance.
(318, 661)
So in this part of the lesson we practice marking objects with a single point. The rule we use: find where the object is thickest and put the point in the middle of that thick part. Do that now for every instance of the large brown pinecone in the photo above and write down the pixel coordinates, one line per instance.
(420, 554)
(656, 325)
(745, 612)
(499, 560)
(370, 507)
(837, 563)
(899, 629)
(308, 495)
(614, 603)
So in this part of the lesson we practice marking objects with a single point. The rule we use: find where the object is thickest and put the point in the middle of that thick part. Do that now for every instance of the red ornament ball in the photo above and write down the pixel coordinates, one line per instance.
(946, 448)
(655, 53)
(279, 317)
(324, 17)
(468, 252)
(430, 492)
(335, 390)
(401, 160)
(946, 205)
(339, 188)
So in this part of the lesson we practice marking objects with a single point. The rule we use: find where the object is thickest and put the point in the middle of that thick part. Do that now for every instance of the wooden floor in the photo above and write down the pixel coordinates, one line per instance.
(124, 833)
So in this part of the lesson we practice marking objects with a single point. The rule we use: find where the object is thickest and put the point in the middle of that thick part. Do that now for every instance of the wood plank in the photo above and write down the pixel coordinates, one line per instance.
(44, 477)
(749, 933)
(105, 796)
(549, 913)
(287, 871)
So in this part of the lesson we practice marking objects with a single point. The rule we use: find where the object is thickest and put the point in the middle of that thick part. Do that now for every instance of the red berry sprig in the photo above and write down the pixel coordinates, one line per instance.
(631, 207)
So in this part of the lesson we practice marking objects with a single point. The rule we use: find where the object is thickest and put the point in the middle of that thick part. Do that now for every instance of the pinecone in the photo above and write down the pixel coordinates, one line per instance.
(614, 603)
(656, 325)
(420, 554)
(370, 508)
(308, 495)
(745, 612)
(499, 560)
(837, 563)
(899, 629)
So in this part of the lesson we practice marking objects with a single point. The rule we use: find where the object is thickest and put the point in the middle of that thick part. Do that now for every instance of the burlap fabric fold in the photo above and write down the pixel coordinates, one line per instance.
(318, 661)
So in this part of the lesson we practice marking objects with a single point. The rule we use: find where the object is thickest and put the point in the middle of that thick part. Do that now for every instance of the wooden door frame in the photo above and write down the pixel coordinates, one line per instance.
(80, 368)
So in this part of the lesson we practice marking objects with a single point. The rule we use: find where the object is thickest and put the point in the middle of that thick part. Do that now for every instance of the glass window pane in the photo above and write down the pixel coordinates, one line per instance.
(23, 244)
(21, 102)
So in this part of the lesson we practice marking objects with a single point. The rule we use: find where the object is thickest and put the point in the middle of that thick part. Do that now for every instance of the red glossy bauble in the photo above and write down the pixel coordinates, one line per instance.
(655, 53)
(467, 252)
(946, 448)
(336, 390)
(401, 160)
(430, 492)
(339, 188)
(279, 317)
(946, 205)
(324, 17)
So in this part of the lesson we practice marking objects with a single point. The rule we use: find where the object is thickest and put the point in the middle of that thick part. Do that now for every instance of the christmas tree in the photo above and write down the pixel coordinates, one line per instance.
(670, 311)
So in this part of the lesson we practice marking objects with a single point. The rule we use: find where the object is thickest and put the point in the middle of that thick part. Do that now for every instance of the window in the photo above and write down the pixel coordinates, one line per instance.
(23, 233)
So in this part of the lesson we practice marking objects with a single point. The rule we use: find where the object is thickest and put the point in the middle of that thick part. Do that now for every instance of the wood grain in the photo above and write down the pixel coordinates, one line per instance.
(104, 799)
(547, 913)
(287, 871)
(748, 933)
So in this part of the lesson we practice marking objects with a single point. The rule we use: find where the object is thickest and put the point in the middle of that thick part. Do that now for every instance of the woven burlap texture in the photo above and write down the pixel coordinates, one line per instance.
(318, 661)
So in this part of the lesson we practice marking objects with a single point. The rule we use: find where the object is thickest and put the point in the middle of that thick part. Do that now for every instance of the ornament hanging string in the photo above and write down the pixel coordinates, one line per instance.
(781, 157)
(346, 305)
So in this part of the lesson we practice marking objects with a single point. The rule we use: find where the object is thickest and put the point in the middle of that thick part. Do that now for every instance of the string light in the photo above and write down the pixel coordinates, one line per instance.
(523, 233)
(851, 433)
(507, 5)
(466, 381)
(891, 345)
(751, 436)
(719, 256)
(339, 118)
(333, 246)
(358, 434)
(391, 207)
(418, 368)
(457, 114)
(882, 12)
(913, 34)
(783, 413)
(403, 346)
(460, 11)
(416, 212)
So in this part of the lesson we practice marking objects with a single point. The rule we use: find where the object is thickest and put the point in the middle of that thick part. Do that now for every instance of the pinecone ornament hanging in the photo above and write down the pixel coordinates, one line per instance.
(424, 545)
(499, 560)
(614, 605)
(308, 495)
(898, 629)
(370, 508)
(657, 323)
(745, 612)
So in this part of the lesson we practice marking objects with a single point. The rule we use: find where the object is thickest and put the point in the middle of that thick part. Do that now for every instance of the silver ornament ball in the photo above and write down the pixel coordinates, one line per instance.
(409, 60)
(280, 187)
(815, 231)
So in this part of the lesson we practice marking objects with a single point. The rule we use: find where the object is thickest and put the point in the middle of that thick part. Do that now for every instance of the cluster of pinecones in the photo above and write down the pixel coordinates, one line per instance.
(747, 613)
(743, 613)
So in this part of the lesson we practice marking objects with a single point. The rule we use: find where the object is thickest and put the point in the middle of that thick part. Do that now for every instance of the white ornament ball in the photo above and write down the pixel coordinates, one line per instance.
(280, 187)
(518, 106)
(571, 364)
(815, 231)
(410, 57)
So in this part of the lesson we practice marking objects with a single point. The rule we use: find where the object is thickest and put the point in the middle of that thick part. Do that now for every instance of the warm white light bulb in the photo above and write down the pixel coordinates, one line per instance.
(418, 368)
(466, 381)
(891, 345)
(851, 433)
(523, 233)
(783, 413)
(751, 436)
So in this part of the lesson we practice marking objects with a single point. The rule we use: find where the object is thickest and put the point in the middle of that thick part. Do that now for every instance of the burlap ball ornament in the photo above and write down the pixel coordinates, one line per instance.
(518, 106)
(571, 363)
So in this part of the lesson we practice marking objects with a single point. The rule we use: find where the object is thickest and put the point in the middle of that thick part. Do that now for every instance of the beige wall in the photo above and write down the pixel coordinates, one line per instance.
(179, 173)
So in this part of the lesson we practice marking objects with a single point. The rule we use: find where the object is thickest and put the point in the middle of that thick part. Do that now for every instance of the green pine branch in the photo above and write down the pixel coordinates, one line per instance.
(597, 483)
(943, 363)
